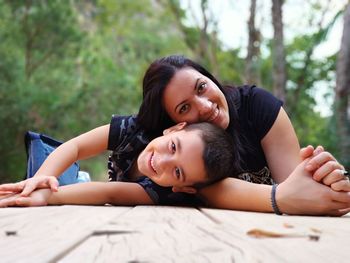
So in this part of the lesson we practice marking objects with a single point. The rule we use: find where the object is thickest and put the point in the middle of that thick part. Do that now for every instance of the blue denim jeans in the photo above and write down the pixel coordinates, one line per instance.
(38, 147)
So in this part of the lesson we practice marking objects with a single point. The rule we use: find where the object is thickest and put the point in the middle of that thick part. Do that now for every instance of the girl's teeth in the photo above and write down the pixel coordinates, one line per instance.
(152, 164)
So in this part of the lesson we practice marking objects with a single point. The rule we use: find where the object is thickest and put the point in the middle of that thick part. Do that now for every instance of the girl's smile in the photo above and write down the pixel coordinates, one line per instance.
(174, 159)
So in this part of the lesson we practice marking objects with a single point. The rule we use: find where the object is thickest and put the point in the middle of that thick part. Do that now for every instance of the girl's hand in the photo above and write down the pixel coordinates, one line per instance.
(36, 198)
(26, 187)
(325, 168)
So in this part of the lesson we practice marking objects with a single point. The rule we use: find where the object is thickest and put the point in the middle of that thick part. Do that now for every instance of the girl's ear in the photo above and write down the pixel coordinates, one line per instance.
(184, 189)
(176, 127)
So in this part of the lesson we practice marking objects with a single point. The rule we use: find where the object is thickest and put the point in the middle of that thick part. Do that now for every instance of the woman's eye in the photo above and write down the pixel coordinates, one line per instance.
(184, 108)
(177, 173)
(173, 147)
(201, 87)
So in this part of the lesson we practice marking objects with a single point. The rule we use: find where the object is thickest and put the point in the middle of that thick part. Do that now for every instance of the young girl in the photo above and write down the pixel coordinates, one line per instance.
(184, 159)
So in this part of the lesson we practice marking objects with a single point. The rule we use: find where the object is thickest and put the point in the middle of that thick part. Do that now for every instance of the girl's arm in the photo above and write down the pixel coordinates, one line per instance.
(91, 193)
(82, 147)
(100, 193)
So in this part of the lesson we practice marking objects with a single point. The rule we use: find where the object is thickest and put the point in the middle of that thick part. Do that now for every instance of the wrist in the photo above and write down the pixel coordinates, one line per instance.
(274, 204)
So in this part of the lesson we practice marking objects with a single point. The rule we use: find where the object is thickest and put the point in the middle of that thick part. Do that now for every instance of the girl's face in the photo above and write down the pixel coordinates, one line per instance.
(174, 159)
(192, 97)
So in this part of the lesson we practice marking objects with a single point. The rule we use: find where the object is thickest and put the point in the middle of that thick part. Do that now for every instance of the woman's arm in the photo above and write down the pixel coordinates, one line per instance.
(282, 152)
(299, 194)
(236, 194)
(281, 148)
(90, 193)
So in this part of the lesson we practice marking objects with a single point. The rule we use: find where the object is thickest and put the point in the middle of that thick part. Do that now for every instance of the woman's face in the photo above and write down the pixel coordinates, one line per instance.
(192, 97)
(174, 159)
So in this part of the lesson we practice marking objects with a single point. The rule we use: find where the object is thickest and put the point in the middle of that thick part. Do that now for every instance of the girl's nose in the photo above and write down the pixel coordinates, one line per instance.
(165, 161)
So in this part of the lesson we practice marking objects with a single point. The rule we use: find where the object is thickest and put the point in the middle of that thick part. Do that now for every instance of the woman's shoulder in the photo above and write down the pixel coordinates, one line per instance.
(252, 94)
(252, 90)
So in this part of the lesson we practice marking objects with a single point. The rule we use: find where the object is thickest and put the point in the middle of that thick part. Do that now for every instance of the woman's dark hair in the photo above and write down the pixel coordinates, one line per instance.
(152, 116)
(218, 154)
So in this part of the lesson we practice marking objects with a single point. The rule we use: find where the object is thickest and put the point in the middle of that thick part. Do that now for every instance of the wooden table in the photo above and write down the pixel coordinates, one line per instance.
(167, 234)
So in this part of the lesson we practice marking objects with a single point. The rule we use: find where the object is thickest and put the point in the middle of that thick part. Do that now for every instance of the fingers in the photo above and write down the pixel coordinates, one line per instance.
(40, 182)
(23, 201)
(15, 187)
(53, 183)
(334, 177)
(343, 198)
(330, 172)
(342, 185)
(306, 152)
(318, 160)
(344, 211)
(15, 200)
(10, 200)
(318, 149)
(28, 188)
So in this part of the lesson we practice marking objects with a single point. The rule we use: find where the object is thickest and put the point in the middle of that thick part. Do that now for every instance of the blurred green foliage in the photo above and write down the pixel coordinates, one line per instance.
(67, 66)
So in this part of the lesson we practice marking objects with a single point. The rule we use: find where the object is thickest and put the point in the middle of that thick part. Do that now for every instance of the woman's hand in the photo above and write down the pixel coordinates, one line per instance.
(300, 194)
(325, 168)
(26, 187)
(36, 198)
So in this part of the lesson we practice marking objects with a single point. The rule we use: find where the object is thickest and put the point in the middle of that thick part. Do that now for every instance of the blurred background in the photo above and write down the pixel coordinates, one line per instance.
(67, 66)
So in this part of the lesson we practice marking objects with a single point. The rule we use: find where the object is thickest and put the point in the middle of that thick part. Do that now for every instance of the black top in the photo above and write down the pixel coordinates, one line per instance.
(257, 112)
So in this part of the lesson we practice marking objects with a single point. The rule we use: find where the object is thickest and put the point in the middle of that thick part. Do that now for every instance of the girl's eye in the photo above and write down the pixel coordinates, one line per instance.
(177, 173)
(201, 87)
(184, 108)
(173, 147)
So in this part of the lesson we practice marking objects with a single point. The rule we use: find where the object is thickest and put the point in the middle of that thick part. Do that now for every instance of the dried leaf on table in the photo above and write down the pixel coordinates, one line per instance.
(260, 233)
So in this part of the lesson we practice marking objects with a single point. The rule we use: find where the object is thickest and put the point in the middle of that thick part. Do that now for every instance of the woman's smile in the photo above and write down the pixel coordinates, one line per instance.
(192, 97)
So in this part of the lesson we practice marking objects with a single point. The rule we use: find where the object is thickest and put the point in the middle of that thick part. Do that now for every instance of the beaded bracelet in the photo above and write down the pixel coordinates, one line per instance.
(273, 200)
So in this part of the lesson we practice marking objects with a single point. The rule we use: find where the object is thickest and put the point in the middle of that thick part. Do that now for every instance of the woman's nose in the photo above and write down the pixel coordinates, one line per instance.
(204, 106)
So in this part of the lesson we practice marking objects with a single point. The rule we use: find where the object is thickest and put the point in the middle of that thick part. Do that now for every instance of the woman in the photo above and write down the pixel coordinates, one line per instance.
(177, 89)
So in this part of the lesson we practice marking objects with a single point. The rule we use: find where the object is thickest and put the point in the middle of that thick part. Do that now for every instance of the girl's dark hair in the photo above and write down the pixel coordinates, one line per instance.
(218, 153)
(152, 116)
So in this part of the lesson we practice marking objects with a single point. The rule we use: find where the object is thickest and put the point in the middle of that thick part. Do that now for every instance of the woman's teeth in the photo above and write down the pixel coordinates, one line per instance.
(214, 115)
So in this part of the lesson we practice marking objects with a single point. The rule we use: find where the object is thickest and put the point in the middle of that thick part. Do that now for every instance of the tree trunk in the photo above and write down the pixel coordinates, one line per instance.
(278, 55)
(342, 92)
(251, 66)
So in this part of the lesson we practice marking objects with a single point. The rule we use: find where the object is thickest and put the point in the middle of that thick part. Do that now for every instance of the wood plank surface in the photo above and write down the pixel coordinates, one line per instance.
(41, 234)
(167, 234)
(156, 234)
(330, 236)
